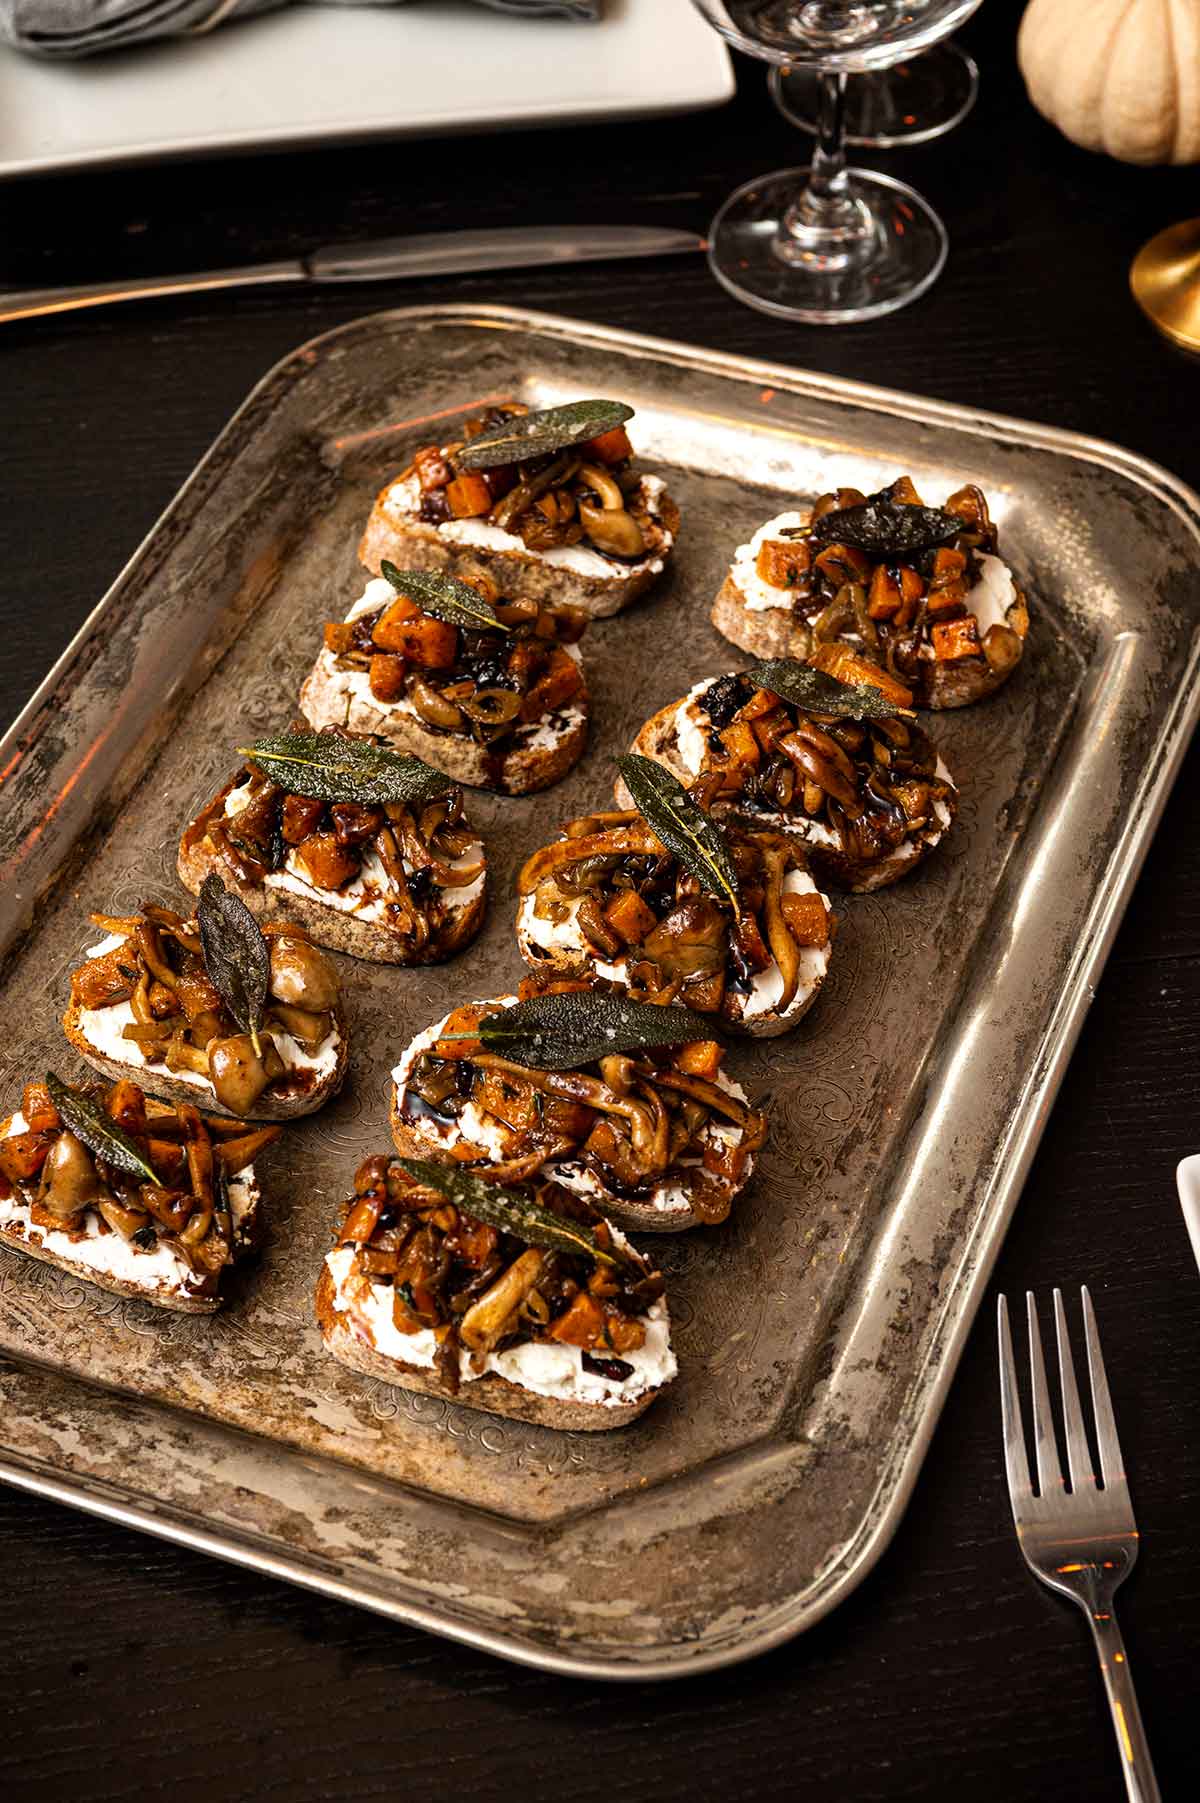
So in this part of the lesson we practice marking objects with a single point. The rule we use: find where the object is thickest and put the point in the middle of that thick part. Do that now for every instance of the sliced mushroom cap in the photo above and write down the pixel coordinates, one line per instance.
(301, 975)
(612, 530)
(70, 1180)
(485, 1320)
(238, 1073)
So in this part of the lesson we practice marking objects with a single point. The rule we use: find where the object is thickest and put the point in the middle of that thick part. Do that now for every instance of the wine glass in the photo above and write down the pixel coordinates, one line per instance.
(910, 103)
(829, 245)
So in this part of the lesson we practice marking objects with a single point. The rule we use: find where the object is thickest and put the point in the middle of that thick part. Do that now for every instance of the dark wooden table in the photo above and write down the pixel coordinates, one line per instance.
(132, 1670)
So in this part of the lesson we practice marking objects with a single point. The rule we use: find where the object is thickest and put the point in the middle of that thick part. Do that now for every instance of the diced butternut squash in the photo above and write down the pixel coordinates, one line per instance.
(539, 985)
(385, 631)
(940, 603)
(582, 1323)
(41, 1116)
(623, 1333)
(469, 496)
(783, 562)
(904, 493)
(763, 701)
(424, 642)
(844, 563)
(110, 978)
(22, 1155)
(883, 597)
(725, 1160)
(559, 682)
(955, 639)
(702, 1058)
(739, 741)
(612, 446)
(806, 919)
(462, 1021)
(509, 1100)
(386, 674)
(339, 637)
(947, 565)
(324, 862)
(127, 1105)
(840, 661)
(629, 917)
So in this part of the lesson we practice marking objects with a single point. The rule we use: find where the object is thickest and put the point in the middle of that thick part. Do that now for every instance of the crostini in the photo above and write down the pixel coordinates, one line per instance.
(135, 1196)
(490, 692)
(550, 502)
(861, 786)
(609, 902)
(605, 1096)
(245, 1019)
(920, 591)
(519, 1302)
(367, 849)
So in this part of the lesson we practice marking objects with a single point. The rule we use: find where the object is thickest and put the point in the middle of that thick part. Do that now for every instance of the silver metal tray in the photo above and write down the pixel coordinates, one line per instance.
(819, 1330)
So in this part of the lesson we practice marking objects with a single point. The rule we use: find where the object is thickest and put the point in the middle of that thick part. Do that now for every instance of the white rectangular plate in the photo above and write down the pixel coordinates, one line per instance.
(317, 74)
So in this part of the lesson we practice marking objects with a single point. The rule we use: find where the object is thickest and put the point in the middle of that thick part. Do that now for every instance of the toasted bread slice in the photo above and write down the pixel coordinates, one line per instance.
(536, 757)
(573, 574)
(668, 1208)
(677, 737)
(775, 621)
(111, 1263)
(186, 1086)
(563, 951)
(325, 916)
(352, 1344)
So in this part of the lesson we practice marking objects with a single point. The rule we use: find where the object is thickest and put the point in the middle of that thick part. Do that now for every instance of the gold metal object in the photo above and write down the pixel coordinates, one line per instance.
(1165, 279)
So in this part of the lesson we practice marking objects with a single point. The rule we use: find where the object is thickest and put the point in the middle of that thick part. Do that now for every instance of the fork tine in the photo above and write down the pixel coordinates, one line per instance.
(1048, 1468)
(1079, 1460)
(1112, 1465)
(1020, 1489)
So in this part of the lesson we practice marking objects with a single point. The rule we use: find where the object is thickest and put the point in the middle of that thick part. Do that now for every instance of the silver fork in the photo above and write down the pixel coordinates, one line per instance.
(1080, 1540)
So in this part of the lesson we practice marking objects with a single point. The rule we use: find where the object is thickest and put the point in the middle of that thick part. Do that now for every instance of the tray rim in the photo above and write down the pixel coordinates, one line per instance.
(884, 1509)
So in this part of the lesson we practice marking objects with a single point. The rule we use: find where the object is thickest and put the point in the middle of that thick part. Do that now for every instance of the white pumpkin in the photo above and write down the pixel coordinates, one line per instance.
(1121, 76)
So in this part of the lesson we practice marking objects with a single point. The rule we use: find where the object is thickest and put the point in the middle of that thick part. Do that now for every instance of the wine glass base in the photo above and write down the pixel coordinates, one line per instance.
(895, 256)
(910, 103)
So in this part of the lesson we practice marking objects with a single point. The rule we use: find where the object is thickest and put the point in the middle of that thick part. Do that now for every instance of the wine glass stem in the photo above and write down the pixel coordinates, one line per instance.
(826, 208)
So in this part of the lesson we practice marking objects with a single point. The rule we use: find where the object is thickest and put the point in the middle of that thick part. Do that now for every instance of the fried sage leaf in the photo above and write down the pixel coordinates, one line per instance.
(816, 692)
(888, 528)
(508, 1209)
(98, 1131)
(235, 953)
(445, 597)
(538, 434)
(682, 825)
(563, 1032)
(327, 767)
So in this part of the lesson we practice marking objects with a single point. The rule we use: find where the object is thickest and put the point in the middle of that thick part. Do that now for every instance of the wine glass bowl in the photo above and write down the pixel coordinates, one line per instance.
(829, 245)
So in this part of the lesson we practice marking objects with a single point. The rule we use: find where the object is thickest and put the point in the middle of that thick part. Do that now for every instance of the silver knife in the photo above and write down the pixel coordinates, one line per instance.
(424, 254)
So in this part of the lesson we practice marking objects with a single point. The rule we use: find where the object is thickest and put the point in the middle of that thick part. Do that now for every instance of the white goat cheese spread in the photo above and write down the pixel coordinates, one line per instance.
(362, 896)
(401, 504)
(103, 1028)
(691, 738)
(767, 986)
(757, 594)
(989, 600)
(104, 1251)
(342, 686)
(480, 1129)
(548, 1368)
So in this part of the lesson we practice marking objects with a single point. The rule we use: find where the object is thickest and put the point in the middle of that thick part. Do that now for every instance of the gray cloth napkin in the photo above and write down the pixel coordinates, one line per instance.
(70, 28)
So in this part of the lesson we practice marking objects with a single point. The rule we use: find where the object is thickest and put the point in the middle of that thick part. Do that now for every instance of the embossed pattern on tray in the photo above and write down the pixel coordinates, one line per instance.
(862, 1226)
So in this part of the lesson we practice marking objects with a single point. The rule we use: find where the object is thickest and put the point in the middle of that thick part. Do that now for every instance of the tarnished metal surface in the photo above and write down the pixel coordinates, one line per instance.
(818, 1330)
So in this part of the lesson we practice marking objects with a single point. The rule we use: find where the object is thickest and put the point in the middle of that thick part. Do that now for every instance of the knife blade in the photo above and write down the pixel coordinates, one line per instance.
(421, 254)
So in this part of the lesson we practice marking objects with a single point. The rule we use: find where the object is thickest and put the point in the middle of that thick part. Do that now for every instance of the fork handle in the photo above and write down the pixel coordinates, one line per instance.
(1140, 1783)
